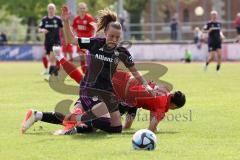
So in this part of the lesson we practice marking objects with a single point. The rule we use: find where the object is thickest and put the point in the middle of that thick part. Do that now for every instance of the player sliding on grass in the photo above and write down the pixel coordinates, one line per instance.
(96, 90)
(126, 88)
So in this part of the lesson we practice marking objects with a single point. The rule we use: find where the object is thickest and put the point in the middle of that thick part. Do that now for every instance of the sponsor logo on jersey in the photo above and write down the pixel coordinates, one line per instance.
(95, 98)
(85, 40)
(51, 26)
(103, 58)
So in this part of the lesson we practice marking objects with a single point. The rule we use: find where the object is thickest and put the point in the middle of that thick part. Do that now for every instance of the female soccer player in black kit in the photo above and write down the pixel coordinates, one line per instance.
(215, 37)
(51, 25)
(96, 90)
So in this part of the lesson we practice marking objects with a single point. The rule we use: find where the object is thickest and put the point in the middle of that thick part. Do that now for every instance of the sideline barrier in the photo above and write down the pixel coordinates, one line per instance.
(149, 52)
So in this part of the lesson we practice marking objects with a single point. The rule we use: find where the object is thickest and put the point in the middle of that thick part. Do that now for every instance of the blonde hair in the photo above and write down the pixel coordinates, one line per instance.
(83, 4)
(107, 18)
(51, 5)
(214, 12)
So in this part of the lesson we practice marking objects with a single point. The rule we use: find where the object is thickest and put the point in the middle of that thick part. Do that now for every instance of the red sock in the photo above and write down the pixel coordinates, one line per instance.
(45, 61)
(83, 66)
(71, 70)
(58, 64)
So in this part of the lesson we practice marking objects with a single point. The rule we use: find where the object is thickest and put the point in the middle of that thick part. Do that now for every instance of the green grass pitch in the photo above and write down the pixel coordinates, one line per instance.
(207, 128)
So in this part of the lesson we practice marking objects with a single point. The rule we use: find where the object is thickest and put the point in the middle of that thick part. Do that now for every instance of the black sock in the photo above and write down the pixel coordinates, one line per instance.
(218, 67)
(84, 129)
(87, 116)
(207, 63)
(101, 123)
(116, 129)
(53, 70)
(53, 117)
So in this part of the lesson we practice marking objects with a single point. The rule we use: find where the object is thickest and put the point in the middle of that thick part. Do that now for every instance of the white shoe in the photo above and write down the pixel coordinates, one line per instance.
(205, 68)
(70, 131)
(29, 120)
(45, 72)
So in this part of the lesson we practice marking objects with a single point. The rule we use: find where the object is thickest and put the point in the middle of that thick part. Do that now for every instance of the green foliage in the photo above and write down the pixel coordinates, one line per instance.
(95, 5)
(135, 6)
(30, 8)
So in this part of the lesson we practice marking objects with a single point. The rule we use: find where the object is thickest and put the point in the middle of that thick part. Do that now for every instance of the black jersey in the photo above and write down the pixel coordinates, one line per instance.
(214, 35)
(53, 26)
(102, 63)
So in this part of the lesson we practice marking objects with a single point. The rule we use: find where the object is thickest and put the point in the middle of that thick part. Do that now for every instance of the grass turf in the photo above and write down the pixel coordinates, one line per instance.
(206, 128)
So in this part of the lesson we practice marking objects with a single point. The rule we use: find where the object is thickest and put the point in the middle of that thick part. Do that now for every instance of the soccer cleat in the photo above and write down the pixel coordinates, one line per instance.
(45, 72)
(29, 120)
(65, 131)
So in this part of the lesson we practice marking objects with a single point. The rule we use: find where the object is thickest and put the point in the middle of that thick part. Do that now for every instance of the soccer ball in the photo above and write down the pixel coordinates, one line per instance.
(144, 139)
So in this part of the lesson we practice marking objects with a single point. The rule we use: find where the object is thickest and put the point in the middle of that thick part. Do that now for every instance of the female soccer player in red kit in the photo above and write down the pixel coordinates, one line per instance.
(83, 26)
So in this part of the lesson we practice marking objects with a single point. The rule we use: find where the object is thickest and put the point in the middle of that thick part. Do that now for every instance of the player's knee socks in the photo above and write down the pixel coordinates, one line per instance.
(71, 70)
(83, 66)
(207, 63)
(218, 67)
(53, 70)
(53, 117)
(116, 129)
(84, 129)
(45, 62)
(101, 123)
(58, 64)
(87, 116)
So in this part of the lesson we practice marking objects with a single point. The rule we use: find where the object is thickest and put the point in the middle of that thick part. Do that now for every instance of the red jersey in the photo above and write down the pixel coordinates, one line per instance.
(82, 26)
(137, 96)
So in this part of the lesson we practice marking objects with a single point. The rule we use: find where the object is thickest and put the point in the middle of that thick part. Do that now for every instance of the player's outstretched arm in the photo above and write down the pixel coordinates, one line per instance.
(155, 118)
(140, 78)
(70, 38)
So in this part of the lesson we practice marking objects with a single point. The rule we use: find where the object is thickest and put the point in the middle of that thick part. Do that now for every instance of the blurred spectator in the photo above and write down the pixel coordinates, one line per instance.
(174, 29)
(197, 37)
(187, 56)
(3, 38)
(237, 24)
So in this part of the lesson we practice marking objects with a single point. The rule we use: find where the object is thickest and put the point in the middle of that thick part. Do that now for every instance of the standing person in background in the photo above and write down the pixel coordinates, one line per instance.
(197, 37)
(3, 38)
(51, 25)
(237, 24)
(83, 26)
(174, 29)
(215, 37)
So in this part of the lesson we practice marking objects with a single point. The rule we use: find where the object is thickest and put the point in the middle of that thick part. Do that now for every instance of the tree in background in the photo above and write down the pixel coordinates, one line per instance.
(95, 5)
(30, 11)
(135, 8)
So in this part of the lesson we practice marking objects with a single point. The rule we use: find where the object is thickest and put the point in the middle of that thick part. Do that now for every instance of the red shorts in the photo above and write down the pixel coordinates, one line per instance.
(67, 48)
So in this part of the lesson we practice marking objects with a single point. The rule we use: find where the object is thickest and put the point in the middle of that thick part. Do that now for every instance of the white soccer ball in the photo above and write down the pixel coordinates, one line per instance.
(144, 139)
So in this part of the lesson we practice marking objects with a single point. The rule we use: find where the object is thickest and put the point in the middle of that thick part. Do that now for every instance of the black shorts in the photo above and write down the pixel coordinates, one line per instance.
(125, 108)
(214, 46)
(238, 30)
(90, 97)
(48, 48)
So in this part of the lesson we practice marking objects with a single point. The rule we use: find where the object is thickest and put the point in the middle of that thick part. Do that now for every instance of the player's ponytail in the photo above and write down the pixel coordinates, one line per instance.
(107, 18)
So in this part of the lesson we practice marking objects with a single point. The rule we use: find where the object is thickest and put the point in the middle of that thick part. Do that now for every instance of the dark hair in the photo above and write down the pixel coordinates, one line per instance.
(178, 98)
(107, 18)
